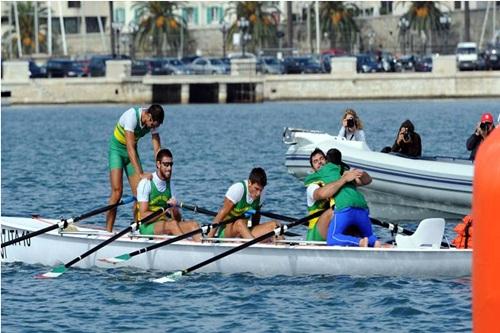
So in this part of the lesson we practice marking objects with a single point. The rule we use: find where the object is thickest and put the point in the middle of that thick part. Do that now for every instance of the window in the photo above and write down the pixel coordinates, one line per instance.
(190, 15)
(385, 7)
(72, 25)
(92, 24)
(214, 15)
(74, 4)
(120, 15)
(458, 4)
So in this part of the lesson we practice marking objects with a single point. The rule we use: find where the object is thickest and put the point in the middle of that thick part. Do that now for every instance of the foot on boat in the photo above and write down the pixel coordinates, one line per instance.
(363, 242)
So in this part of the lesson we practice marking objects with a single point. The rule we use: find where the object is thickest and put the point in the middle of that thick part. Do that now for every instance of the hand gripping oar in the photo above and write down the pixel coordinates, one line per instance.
(398, 229)
(278, 231)
(64, 223)
(59, 270)
(204, 229)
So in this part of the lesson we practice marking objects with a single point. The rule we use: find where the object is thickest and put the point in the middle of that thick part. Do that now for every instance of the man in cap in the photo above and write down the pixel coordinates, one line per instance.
(483, 129)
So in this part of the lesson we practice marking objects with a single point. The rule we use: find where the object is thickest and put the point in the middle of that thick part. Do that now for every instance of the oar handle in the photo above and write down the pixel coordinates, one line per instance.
(277, 231)
(133, 226)
(197, 209)
(278, 216)
(124, 201)
(64, 222)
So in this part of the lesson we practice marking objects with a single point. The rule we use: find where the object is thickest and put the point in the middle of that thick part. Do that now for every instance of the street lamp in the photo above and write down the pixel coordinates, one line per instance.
(244, 24)
(117, 26)
(404, 25)
(224, 28)
(133, 28)
(445, 21)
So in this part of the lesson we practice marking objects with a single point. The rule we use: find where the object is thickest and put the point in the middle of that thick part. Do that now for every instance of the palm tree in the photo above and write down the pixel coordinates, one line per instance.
(263, 22)
(423, 17)
(159, 25)
(337, 19)
(26, 11)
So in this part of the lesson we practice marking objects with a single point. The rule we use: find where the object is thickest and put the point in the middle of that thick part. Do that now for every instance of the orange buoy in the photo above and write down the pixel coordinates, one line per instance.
(486, 256)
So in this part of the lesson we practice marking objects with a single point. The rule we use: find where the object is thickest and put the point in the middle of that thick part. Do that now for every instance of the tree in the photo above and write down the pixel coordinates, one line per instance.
(337, 19)
(423, 17)
(26, 11)
(158, 25)
(263, 22)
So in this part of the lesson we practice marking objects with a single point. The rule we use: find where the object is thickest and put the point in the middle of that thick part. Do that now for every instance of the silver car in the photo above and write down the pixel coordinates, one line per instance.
(208, 66)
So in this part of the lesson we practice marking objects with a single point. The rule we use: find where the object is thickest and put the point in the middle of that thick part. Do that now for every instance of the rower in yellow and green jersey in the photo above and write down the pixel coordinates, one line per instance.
(133, 124)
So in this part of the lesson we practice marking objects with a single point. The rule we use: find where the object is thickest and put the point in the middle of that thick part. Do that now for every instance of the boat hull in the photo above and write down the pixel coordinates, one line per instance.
(402, 188)
(291, 258)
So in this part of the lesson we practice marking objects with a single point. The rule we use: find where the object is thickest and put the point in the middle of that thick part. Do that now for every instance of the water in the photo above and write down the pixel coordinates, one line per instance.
(54, 163)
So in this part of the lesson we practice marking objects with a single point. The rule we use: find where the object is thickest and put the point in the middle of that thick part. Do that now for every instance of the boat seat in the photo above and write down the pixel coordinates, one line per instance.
(428, 234)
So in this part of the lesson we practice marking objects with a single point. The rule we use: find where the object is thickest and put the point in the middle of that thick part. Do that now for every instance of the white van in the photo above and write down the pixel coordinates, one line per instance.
(467, 56)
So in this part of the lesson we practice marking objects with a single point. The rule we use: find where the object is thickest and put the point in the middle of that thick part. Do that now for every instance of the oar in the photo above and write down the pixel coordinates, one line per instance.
(278, 231)
(204, 229)
(59, 270)
(64, 223)
(400, 230)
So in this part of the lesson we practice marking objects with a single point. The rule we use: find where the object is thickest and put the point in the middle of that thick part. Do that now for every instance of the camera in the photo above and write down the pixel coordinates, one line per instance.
(350, 123)
(484, 126)
(406, 136)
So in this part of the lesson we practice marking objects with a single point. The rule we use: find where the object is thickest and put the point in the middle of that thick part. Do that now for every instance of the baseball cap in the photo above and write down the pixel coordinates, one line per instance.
(487, 118)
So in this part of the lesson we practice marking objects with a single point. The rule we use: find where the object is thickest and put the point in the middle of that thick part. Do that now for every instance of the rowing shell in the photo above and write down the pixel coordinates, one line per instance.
(291, 257)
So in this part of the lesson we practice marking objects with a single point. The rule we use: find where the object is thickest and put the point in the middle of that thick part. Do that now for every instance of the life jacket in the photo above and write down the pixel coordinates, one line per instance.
(464, 234)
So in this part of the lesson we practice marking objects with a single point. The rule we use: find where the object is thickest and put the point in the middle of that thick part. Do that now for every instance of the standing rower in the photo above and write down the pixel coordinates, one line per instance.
(132, 125)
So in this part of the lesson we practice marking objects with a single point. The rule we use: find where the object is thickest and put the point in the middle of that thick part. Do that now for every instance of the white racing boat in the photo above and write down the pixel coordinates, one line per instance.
(291, 257)
(402, 188)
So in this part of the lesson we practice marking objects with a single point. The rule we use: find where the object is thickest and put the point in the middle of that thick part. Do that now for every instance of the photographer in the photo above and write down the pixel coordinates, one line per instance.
(408, 141)
(352, 127)
(483, 129)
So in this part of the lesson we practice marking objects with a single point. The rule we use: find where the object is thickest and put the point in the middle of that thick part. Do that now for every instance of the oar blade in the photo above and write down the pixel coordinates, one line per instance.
(54, 273)
(116, 260)
(174, 277)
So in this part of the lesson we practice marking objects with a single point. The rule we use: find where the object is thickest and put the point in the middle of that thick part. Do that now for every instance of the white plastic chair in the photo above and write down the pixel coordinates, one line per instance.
(428, 234)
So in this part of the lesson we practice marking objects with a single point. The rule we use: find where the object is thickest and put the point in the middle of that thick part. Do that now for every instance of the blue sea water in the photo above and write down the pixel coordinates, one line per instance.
(54, 163)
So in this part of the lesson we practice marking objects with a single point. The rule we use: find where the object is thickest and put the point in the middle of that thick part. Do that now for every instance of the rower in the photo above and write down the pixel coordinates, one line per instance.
(351, 208)
(159, 192)
(244, 197)
(320, 195)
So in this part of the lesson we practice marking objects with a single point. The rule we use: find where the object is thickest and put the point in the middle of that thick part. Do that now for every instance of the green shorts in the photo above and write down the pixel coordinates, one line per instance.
(118, 158)
(148, 229)
(313, 234)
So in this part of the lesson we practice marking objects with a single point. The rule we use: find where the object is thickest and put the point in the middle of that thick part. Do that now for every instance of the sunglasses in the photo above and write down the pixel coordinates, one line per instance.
(167, 164)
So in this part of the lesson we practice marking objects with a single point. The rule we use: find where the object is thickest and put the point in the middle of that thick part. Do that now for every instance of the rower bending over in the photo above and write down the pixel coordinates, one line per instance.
(243, 197)
(159, 192)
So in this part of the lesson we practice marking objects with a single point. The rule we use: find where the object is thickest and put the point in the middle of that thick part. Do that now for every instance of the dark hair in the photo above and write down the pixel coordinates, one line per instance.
(163, 153)
(156, 112)
(258, 175)
(334, 156)
(315, 152)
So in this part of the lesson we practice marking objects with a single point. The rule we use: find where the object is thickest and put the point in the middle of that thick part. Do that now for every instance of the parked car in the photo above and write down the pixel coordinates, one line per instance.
(407, 62)
(492, 56)
(97, 65)
(467, 55)
(270, 65)
(208, 66)
(64, 68)
(187, 60)
(301, 65)
(35, 70)
(367, 63)
(139, 68)
(424, 64)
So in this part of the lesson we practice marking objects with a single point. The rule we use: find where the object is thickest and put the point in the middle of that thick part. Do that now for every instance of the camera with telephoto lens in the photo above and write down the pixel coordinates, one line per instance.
(406, 136)
(484, 126)
(350, 123)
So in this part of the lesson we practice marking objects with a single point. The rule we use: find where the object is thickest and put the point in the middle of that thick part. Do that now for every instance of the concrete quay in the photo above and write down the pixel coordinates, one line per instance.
(244, 85)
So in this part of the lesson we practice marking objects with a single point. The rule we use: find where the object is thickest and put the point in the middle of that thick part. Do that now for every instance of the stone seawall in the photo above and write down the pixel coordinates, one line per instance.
(344, 83)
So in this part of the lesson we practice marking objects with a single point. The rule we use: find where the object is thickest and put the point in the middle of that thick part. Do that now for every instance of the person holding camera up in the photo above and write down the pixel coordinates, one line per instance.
(408, 141)
(352, 127)
(483, 129)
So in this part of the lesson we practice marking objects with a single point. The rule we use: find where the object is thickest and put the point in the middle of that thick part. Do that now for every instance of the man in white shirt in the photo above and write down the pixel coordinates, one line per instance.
(159, 192)
(241, 197)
